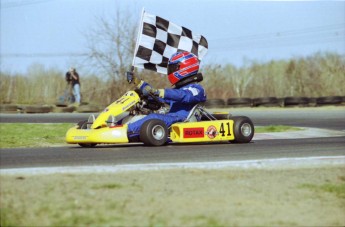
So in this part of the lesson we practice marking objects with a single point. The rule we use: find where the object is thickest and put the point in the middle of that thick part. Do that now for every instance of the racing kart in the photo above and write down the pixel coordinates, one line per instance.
(110, 126)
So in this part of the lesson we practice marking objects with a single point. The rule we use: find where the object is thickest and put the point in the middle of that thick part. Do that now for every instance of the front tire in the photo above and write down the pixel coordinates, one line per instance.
(87, 145)
(83, 125)
(154, 132)
(243, 129)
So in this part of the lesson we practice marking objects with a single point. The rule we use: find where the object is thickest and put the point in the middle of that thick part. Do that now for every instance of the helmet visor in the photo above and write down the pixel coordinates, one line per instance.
(173, 67)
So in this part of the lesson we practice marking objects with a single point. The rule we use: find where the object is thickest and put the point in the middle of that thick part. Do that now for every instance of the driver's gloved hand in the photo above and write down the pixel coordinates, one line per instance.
(131, 78)
(147, 89)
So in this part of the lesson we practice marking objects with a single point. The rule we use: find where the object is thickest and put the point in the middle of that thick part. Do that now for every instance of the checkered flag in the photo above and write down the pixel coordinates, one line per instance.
(158, 39)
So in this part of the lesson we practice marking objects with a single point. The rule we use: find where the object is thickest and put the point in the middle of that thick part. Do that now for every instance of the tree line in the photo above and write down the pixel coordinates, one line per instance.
(322, 74)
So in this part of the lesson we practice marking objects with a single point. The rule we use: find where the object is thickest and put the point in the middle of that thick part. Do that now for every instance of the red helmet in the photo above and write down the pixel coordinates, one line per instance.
(182, 65)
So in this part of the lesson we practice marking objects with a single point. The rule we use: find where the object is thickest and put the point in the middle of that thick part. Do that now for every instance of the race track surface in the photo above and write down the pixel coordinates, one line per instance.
(138, 154)
(73, 155)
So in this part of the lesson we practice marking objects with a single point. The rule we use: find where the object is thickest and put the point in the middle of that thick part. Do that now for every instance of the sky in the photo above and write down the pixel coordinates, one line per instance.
(52, 32)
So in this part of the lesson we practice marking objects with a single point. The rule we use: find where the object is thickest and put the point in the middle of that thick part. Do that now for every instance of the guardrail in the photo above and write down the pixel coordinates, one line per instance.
(210, 103)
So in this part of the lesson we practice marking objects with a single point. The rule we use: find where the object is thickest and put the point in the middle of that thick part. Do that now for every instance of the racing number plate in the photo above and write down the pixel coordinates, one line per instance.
(202, 131)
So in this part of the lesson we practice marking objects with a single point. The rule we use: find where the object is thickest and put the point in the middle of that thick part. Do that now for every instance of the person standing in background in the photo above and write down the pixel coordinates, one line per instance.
(72, 78)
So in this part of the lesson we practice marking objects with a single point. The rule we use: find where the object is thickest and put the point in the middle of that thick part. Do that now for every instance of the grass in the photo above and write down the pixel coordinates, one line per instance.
(32, 135)
(338, 190)
(276, 128)
(182, 197)
(47, 135)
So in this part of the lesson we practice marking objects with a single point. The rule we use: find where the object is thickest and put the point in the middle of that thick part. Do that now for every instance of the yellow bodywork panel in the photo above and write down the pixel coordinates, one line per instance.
(101, 135)
(129, 99)
(203, 131)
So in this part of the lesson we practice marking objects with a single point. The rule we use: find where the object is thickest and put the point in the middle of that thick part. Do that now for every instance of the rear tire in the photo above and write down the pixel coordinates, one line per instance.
(154, 132)
(222, 116)
(243, 129)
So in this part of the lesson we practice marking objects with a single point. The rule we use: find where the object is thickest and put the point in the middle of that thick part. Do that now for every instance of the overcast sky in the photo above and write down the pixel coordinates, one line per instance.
(237, 31)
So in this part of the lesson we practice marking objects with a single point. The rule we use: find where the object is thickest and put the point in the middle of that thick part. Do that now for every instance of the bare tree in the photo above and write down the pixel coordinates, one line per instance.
(111, 43)
(111, 46)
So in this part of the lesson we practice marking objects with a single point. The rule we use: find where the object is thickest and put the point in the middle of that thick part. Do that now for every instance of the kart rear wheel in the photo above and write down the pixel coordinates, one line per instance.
(154, 132)
(221, 116)
(243, 129)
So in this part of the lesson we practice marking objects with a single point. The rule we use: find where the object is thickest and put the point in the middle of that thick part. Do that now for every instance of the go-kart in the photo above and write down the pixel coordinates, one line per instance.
(110, 126)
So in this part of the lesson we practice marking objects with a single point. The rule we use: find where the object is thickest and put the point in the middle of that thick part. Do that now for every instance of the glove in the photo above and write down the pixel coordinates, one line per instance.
(147, 89)
(131, 78)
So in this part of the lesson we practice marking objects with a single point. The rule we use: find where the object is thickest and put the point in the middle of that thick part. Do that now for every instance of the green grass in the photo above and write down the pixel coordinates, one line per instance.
(336, 189)
(47, 135)
(276, 128)
(32, 135)
(310, 196)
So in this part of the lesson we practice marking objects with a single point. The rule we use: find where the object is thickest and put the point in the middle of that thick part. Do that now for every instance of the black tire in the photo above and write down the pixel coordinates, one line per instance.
(243, 129)
(343, 99)
(38, 109)
(8, 108)
(266, 101)
(87, 145)
(218, 116)
(61, 104)
(221, 116)
(68, 109)
(329, 100)
(83, 125)
(214, 103)
(296, 101)
(154, 132)
(239, 102)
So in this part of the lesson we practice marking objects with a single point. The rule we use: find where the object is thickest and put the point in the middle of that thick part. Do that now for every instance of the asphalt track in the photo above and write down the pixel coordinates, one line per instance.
(319, 117)
(73, 155)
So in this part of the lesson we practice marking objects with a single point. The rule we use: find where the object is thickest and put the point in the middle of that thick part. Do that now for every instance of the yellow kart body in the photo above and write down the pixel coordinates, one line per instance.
(106, 129)
(203, 131)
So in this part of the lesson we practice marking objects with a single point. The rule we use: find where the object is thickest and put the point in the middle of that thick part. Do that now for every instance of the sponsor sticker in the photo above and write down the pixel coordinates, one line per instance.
(193, 132)
(128, 105)
(80, 137)
(211, 132)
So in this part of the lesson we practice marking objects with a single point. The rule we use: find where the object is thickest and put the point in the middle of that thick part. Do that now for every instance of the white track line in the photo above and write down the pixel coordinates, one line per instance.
(244, 164)
(302, 134)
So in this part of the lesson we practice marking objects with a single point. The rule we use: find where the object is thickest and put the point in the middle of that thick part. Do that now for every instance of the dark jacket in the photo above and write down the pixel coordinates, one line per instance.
(70, 79)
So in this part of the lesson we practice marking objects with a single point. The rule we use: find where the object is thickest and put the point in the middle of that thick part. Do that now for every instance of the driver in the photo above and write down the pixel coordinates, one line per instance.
(183, 73)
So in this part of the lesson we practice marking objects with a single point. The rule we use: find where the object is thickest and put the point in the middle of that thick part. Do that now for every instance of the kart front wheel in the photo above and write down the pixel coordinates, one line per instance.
(243, 129)
(154, 132)
(87, 145)
(83, 125)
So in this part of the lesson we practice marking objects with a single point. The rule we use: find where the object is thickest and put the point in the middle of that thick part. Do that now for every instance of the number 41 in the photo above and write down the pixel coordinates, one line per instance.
(222, 131)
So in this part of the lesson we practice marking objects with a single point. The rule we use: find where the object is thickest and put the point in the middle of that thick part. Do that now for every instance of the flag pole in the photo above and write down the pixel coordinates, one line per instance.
(138, 36)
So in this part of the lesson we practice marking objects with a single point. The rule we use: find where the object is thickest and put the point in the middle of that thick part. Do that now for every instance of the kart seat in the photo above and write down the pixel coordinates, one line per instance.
(197, 113)
(194, 114)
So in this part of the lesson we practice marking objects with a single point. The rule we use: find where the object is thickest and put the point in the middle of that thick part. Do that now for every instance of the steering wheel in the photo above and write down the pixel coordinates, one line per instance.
(152, 101)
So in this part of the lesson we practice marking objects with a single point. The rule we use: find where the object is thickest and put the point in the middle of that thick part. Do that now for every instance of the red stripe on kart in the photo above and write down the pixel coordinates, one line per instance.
(193, 132)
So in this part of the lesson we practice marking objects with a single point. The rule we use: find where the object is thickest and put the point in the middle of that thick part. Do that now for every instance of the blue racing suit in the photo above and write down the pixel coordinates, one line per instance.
(181, 101)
